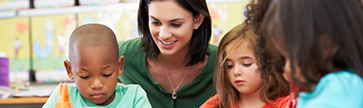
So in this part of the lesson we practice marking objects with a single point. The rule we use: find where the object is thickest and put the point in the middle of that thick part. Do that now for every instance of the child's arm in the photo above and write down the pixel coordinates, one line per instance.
(141, 99)
(52, 99)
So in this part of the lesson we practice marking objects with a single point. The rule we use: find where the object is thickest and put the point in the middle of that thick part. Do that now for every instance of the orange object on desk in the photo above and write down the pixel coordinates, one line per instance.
(32, 100)
(63, 97)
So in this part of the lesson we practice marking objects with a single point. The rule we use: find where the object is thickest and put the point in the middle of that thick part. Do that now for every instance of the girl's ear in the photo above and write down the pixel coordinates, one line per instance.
(67, 64)
(121, 62)
(198, 21)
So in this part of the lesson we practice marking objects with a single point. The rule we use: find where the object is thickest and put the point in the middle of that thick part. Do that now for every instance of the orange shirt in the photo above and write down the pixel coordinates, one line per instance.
(280, 102)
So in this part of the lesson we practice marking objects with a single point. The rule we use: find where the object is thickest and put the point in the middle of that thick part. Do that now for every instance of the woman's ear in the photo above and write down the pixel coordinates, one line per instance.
(67, 64)
(121, 62)
(198, 21)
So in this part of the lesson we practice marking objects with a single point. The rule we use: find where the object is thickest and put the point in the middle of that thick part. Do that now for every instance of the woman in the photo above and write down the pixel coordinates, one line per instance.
(173, 61)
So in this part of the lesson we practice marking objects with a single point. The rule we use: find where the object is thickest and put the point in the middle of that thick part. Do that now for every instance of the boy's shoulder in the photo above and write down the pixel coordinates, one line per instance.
(129, 88)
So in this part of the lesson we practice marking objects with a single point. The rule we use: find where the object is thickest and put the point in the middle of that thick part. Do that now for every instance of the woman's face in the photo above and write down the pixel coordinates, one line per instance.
(171, 27)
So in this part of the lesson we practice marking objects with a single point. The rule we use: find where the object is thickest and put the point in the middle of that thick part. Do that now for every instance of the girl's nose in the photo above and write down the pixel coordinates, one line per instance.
(237, 71)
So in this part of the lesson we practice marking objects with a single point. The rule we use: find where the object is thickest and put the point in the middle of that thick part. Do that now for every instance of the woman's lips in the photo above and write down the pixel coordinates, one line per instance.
(167, 45)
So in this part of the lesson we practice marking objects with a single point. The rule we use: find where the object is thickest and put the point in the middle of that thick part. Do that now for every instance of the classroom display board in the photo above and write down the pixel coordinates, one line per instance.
(41, 42)
(15, 44)
(50, 35)
(122, 20)
(224, 17)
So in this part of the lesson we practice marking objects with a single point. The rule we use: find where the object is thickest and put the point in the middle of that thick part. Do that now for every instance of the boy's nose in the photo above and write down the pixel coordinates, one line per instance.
(97, 84)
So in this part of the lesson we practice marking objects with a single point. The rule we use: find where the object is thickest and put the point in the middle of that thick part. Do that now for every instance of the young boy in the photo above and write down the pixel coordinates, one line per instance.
(94, 66)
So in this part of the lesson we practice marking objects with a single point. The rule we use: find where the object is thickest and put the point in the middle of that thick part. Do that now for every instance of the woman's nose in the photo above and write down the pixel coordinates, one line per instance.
(164, 32)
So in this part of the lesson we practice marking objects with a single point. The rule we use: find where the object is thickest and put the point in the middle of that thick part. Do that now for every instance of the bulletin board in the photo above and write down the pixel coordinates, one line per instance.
(122, 21)
(50, 36)
(224, 17)
(15, 44)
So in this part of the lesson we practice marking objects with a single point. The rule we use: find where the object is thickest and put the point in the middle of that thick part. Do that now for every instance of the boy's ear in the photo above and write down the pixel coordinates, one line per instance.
(121, 62)
(198, 21)
(67, 64)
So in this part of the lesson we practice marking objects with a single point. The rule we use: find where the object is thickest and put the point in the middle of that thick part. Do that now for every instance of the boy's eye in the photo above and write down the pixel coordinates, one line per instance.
(84, 77)
(176, 25)
(107, 75)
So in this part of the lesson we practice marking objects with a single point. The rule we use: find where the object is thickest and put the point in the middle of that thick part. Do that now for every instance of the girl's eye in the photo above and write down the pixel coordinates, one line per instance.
(229, 66)
(107, 75)
(84, 77)
(247, 64)
(176, 25)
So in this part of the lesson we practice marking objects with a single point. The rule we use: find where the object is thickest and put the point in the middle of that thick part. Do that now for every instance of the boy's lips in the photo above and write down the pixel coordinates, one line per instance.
(97, 95)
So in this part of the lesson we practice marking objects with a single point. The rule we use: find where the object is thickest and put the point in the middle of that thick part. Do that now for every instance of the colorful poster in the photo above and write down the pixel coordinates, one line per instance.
(15, 44)
(50, 36)
(121, 20)
(224, 17)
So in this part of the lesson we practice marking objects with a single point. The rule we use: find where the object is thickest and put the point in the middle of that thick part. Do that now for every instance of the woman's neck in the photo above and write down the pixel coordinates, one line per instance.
(173, 61)
(252, 100)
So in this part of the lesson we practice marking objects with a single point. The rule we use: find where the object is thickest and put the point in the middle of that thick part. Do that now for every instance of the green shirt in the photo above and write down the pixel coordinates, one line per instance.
(189, 96)
(127, 96)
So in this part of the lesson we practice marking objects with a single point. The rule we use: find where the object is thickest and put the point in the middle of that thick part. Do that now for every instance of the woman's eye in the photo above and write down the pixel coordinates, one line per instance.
(107, 75)
(176, 25)
(84, 77)
(155, 23)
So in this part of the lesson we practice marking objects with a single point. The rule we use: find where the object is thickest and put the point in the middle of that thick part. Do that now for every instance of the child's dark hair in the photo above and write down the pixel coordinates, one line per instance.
(320, 36)
(255, 11)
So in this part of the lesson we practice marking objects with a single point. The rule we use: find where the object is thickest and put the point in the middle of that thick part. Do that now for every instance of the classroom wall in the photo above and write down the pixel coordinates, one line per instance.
(38, 39)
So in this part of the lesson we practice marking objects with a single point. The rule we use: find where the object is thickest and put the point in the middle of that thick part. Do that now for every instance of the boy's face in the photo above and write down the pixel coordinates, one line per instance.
(95, 71)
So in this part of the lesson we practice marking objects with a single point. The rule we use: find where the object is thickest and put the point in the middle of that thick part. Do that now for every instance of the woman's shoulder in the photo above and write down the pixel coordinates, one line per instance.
(212, 48)
(133, 46)
(130, 42)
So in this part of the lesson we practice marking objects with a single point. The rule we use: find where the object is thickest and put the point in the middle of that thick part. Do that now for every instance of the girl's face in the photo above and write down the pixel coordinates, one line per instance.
(242, 70)
(171, 26)
(287, 67)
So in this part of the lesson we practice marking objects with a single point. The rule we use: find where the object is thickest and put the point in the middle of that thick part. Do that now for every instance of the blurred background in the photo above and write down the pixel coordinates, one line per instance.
(34, 33)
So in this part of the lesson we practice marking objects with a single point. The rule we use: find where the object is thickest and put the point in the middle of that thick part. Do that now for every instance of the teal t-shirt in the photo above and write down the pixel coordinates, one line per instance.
(127, 96)
(191, 95)
(343, 89)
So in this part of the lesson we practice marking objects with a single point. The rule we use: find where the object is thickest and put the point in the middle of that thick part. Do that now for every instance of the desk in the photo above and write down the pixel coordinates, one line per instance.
(34, 102)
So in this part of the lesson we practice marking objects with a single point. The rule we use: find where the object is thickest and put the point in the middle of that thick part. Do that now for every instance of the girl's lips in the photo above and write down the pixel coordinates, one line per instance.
(240, 82)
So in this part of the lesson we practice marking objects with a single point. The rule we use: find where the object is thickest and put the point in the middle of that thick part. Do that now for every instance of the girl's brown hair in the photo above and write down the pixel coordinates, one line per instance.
(274, 86)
